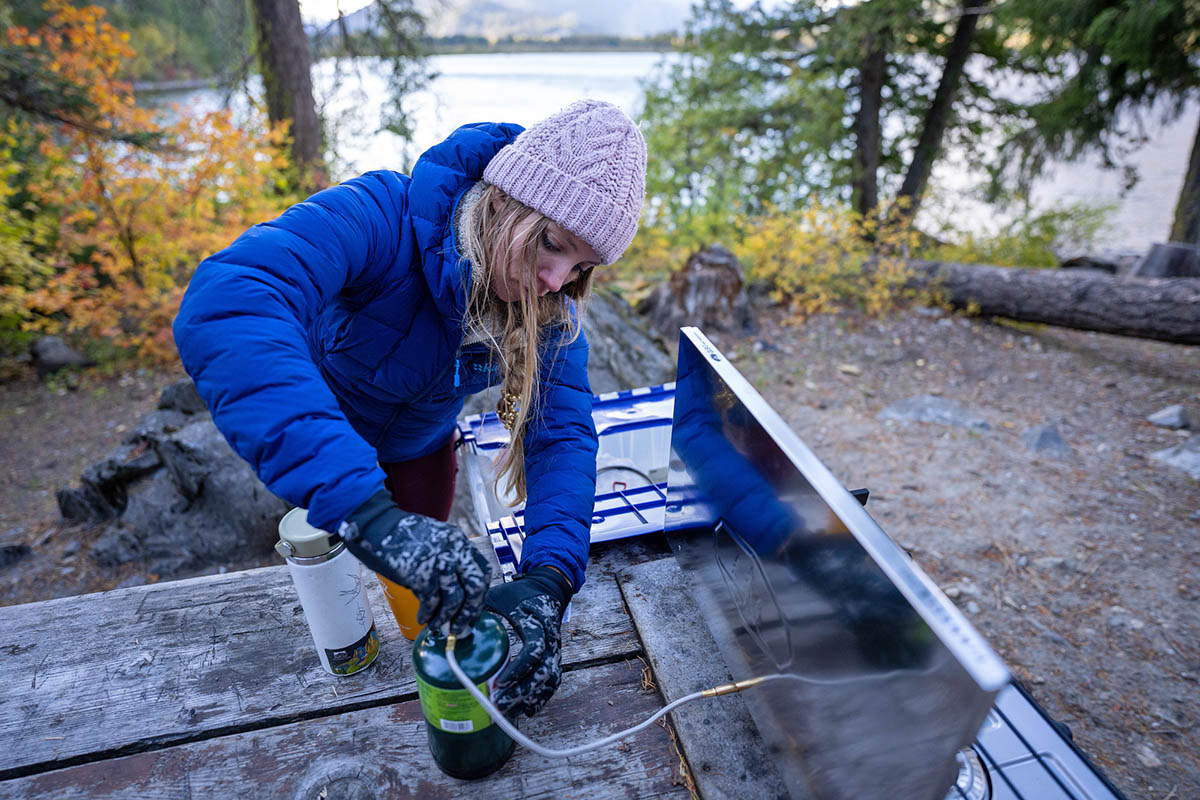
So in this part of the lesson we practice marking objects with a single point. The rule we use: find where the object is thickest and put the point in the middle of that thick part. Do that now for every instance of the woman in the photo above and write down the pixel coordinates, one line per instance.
(335, 344)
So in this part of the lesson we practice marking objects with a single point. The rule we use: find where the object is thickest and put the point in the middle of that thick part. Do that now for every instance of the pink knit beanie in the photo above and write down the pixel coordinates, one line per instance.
(584, 168)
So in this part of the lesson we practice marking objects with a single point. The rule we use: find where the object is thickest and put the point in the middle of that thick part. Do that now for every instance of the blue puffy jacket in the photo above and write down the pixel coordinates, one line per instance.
(330, 339)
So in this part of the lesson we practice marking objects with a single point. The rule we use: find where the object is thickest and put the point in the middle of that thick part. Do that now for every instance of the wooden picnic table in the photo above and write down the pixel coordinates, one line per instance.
(211, 686)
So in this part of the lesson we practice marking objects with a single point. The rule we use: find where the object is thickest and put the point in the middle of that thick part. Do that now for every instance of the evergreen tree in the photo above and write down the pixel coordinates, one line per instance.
(769, 106)
(286, 67)
(855, 103)
(1112, 67)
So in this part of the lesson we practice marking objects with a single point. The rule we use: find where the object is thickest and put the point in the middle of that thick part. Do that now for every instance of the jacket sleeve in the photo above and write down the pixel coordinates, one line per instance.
(560, 467)
(243, 335)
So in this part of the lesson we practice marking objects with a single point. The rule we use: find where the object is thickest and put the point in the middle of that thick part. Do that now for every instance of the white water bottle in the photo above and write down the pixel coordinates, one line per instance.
(329, 581)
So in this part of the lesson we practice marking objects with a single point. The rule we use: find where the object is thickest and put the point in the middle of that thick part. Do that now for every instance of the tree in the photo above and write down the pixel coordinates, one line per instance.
(769, 106)
(1163, 309)
(392, 32)
(99, 233)
(939, 113)
(171, 39)
(1186, 227)
(1112, 64)
(285, 64)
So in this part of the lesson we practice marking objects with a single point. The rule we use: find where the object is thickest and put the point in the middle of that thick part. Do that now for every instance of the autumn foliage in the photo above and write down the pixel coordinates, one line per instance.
(106, 208)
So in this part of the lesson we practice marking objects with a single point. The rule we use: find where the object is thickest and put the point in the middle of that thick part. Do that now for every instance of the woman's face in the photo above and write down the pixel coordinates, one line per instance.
(561, 258)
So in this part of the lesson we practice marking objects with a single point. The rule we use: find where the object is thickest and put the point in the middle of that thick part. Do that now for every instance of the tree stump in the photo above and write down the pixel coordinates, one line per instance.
(708, 292)
(1170, 260)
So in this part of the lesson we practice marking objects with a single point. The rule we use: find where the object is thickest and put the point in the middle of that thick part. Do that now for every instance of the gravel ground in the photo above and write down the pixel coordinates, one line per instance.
(1080, 568)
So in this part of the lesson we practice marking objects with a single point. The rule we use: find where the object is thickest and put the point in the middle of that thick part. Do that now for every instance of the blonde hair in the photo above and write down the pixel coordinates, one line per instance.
(514, 329)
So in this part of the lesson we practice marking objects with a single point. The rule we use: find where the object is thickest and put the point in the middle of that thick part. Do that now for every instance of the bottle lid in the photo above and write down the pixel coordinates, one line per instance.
(298, 539)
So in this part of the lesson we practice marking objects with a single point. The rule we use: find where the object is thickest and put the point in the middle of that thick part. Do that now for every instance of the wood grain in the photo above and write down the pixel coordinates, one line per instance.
(728, 757)
(382, 752)
(104, 675)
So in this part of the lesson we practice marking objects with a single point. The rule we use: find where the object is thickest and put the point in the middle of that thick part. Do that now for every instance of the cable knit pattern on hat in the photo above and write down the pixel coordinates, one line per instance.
(584, 168)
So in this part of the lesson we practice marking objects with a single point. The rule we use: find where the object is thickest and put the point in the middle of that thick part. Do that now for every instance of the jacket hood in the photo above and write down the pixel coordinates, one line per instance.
(441, 176)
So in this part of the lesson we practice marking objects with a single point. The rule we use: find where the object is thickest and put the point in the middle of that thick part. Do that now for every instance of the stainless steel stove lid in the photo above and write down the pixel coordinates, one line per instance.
(794, 576)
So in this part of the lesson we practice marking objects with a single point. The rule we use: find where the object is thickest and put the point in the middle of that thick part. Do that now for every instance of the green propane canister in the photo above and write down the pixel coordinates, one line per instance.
(464, 741)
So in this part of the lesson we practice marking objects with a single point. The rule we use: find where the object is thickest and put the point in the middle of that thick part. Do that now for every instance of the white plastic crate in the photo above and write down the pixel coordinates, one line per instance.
(634, 430)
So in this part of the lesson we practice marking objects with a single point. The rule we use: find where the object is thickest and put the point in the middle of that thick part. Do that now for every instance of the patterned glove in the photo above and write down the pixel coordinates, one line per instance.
(533, 604)
(434, 559)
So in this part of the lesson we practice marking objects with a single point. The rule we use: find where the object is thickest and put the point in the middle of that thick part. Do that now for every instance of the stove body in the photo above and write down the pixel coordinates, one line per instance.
(892, 687)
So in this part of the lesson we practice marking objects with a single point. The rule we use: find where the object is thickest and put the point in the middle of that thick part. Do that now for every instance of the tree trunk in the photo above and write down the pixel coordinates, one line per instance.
(867, 132)
(1187, 212)
(284, 60)
(937, 116)
(1167, 309)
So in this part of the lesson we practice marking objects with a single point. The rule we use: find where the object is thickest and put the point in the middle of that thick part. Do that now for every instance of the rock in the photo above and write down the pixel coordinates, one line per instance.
(1121, 618)
(51, 354)
(1147, 756)
(84, 504)
(102, 495)
(203, 508)
(928, 408)
(71, 549)
(1169, 260)
(624, 352)
(1184, 456)
(12, 553)
(1175, 417)
(973, 607)
(1068, 565)
(1045, 439)
(132, 580)
(709, 292)
(176, 498)
(156, 423)
(182, 396)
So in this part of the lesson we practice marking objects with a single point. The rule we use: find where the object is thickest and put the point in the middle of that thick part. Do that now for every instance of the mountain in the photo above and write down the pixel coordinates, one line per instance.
(496, 19)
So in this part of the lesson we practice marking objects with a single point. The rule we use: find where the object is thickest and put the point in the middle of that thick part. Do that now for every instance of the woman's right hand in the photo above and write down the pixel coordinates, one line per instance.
(434, 559)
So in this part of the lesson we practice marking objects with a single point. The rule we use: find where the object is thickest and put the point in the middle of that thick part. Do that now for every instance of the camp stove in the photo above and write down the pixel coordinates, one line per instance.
(793, 575)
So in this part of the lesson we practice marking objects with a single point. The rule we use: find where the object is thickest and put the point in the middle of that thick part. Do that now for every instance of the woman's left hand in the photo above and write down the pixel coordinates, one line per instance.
(533, 604)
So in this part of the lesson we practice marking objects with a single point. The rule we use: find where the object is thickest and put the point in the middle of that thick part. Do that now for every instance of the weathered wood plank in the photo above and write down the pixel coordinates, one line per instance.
(727, 756)
(381, 752)
(117, 672)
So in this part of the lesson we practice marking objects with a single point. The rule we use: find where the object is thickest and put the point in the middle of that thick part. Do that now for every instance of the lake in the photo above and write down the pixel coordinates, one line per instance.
(526, 87)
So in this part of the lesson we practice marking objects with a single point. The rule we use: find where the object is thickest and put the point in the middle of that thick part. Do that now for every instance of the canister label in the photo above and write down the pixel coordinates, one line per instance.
(348, 660)
(454, 710)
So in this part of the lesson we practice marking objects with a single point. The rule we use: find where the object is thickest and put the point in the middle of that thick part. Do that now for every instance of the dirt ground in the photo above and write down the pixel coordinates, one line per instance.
(1082, 570)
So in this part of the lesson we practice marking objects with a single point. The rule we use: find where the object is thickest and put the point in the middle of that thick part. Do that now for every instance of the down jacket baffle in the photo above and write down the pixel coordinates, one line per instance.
(330, 339)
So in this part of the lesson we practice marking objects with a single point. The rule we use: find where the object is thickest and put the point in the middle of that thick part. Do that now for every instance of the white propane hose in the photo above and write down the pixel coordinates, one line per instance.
(525, 741)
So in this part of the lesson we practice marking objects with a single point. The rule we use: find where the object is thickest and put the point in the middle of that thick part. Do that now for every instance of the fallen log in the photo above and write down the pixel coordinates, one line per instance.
(1167, 309)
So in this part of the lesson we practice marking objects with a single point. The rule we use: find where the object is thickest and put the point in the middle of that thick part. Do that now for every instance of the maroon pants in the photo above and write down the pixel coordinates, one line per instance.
(425, 485)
